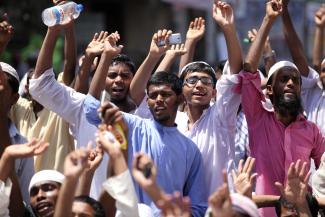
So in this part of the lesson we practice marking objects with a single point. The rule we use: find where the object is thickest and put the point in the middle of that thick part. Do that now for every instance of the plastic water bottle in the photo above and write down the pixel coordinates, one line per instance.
(61, 14)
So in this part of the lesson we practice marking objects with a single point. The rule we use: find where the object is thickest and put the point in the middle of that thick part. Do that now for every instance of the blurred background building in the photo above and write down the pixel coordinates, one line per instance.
(137, 20)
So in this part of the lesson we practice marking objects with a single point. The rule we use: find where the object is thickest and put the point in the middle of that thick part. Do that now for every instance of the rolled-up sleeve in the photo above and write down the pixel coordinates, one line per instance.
(122, 190)
(63, 100)
(90, 108)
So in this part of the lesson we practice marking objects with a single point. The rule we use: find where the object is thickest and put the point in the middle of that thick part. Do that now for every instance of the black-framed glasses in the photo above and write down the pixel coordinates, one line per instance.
(194, 79)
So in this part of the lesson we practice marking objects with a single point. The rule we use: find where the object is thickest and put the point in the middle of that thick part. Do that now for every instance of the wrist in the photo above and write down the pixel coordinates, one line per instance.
(154, 56)
(269, 54)
(89, 55)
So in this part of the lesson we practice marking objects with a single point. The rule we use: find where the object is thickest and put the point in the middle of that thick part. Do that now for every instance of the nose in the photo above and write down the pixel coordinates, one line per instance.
(290, 83)
(160, 98)
(40, 195)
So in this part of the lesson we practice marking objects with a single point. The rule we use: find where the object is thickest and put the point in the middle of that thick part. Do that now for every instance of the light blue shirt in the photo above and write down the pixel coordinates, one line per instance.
(178, 160)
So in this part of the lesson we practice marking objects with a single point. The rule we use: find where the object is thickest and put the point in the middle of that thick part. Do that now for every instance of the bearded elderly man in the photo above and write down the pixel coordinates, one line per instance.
(278, 134)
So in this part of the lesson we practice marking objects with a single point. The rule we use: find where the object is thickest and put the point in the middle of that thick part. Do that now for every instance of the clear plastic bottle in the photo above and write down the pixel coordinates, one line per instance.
(61, 14)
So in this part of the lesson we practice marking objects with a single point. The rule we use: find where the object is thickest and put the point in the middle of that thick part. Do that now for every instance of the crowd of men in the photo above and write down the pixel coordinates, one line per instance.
(104, 138)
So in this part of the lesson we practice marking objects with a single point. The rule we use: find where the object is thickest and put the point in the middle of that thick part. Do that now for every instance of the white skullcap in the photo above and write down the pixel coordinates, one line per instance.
(192, 63)
(244, 205)
(46, 175)
(279, 65)
(318, 179)
(10, 70)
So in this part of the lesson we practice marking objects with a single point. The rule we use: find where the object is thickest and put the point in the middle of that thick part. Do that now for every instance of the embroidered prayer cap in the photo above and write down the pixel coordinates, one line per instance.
(279, 65)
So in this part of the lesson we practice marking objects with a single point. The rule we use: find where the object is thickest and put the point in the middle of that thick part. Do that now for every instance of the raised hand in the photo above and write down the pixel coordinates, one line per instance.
(244, 179)
(158, 37)
(32, 148)
(6, 30)
(223, 14)
(296, 184)
(96, 46)
(95, 157)
(106, 140)
(196, 29)
(175, 206)
(75, 163)
(274, 8)
(110, 44)
(320, 17)
(176, 50)
(220, 201)
(144, 171)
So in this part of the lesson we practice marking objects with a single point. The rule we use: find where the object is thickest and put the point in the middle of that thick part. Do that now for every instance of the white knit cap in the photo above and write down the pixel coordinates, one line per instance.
(46, 175)
(279, 65)
(10, 70)
(244, 205)
(189, 64)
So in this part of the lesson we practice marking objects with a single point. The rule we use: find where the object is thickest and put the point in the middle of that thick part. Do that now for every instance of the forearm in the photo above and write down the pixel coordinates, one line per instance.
(98, 82)
(166, 63)
(234, 49)
(82, 79)
(265, 200)
(190, 46)
(44, 60)
(303, 210)
(318, 49)
(256, 49)
(294, 43)
(66, 196)
(70, 56)
(7, 165)
(119, 165)
(84, 183)
(141, 78)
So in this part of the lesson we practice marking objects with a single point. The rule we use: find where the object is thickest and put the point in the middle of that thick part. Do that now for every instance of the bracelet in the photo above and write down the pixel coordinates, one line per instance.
(286, 203)
(272, 54)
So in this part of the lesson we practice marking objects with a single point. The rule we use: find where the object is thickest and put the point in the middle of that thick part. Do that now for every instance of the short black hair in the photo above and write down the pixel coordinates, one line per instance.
(166, 78)
(122, 58)
(13, 83)
(97, 207)
(200, 67)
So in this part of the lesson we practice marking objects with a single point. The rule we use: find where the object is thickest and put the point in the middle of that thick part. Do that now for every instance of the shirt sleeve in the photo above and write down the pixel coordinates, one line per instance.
(251, 96)
(90, 107)
(194, 186)
(319, 147)
(5, 190)
(63, 100)
(310, 81)
(228, 100)
(122, 190)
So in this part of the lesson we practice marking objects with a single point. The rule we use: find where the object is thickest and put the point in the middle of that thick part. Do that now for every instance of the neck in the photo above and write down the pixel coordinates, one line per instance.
(194, 112)
(285, 119)
(125, 105)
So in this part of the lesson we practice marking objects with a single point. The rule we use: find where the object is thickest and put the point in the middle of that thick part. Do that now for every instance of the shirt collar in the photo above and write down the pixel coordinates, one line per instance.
(162, 127)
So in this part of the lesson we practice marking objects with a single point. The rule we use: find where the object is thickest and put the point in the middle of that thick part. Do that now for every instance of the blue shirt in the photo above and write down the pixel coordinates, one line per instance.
(178, 160)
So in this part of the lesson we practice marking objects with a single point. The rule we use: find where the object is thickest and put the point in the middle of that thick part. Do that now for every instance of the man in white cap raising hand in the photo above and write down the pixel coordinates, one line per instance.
(9, 83)
(278, 135)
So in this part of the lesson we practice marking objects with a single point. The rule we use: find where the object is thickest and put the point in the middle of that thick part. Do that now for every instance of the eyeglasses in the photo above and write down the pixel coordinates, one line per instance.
(194, 79)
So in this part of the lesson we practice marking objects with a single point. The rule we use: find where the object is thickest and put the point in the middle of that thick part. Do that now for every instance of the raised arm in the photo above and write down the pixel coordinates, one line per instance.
(273, 10)
(224, 17)
(194, 34)
(6, 32)
(268, 53)
(110, 51)
(141, 77)
(74, 164)
(44, 60)
(318, 49)
(93, 50)
(293, 41)
(171, 54)
(70, 54)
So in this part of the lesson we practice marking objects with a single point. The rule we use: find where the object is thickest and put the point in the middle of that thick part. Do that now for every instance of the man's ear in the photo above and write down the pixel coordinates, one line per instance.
(269, 90)
(214, 93)
(180, 99)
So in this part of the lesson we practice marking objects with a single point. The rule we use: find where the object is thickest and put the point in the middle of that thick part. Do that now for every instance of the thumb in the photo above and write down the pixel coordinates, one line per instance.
(280, 187)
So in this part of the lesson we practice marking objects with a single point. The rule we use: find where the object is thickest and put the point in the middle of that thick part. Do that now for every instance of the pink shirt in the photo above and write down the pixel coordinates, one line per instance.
(273, 144)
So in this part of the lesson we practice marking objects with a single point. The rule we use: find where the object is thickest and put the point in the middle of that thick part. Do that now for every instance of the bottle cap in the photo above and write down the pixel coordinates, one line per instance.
(80, 7)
